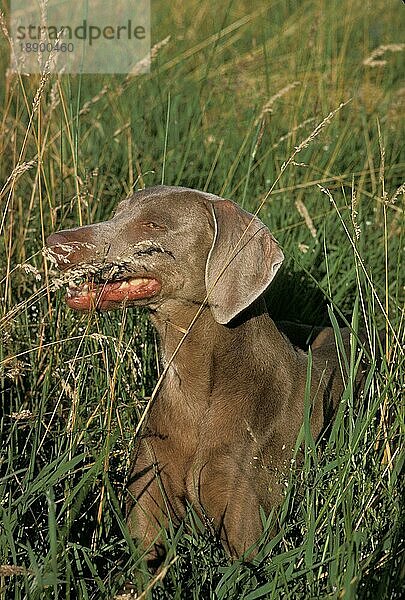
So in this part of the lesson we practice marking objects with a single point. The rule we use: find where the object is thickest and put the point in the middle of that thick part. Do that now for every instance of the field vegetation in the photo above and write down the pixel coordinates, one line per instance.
(234, 90)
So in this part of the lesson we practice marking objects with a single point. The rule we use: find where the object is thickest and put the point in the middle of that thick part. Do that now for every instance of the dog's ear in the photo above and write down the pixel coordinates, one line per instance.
(243, 260)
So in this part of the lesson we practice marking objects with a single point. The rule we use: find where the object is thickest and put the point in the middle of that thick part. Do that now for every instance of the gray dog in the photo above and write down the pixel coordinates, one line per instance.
(222, 429)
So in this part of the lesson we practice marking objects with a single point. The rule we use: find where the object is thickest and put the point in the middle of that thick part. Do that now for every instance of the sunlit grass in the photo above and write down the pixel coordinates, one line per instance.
(231, 94)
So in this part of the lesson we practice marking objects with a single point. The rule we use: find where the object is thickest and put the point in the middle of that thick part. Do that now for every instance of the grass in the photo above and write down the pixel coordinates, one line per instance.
(230, 96)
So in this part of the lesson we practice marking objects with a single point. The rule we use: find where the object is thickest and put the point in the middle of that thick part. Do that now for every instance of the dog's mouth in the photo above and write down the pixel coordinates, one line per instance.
(105, 285)
(108, 295)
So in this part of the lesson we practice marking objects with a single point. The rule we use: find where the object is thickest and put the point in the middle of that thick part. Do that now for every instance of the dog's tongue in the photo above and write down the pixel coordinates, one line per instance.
(110, 295)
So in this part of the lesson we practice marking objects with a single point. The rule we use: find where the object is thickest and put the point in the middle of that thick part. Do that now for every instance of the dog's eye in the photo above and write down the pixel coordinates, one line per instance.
(152, 225)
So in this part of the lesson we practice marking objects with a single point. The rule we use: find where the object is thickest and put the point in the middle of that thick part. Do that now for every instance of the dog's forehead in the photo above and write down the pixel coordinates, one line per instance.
(163, 199)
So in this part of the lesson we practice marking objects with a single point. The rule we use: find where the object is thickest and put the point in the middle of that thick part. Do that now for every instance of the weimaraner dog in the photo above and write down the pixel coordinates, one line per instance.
(221, 431)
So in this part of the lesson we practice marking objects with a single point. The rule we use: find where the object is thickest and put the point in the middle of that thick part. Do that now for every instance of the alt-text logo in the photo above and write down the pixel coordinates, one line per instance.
(84, 36)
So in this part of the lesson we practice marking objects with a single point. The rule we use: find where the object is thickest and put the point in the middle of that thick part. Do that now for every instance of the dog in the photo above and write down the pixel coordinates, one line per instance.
(222, 428)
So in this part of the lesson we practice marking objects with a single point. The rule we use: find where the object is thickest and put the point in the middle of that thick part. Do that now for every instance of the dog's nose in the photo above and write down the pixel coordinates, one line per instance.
(68, 247)
(56, 239)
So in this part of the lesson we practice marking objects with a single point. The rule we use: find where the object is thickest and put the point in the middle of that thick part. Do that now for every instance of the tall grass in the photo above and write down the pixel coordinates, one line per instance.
(231, 94)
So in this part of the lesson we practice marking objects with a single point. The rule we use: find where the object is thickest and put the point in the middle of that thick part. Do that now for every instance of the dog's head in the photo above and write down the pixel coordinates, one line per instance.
(165, 245)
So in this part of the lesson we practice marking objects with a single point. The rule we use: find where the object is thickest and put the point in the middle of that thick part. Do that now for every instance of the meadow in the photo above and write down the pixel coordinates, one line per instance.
(233, 91)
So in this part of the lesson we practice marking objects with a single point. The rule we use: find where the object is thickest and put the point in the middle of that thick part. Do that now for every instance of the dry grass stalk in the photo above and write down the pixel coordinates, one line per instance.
(374, 59)
(30, 270)
(103, 269)
(4, 29)
(305, 143)
(268, 107)
(22, 415)
(132, 595)
(10, 570)
(397, 193)
(354, 213)
(146, 62)
(302, 209)
(303, 248)
(16, 172)
(292, 131)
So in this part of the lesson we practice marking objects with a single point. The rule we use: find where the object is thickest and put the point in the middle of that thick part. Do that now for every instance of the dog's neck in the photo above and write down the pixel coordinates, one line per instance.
(211, 354)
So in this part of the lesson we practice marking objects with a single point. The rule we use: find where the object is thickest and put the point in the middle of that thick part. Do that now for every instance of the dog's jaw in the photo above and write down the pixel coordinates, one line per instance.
(111, 295)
